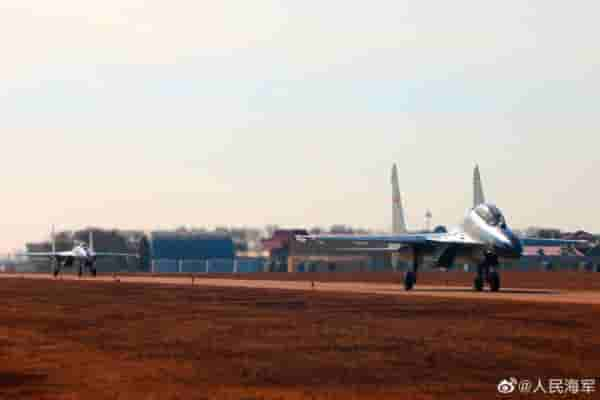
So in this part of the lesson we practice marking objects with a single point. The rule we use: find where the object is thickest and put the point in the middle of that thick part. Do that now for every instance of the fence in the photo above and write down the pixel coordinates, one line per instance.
(215, 265)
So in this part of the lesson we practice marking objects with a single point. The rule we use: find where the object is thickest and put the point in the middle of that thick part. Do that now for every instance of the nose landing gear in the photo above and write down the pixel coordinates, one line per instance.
(494, 281)
(487, 273)
(90, 265)
(55, 267)
(409, 280)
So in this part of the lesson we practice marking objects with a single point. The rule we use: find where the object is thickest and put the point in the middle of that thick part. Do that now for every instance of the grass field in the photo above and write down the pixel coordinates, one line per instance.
(90, 340)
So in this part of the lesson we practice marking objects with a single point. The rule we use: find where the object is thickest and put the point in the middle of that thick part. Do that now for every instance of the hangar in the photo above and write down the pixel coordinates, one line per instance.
(191, 252)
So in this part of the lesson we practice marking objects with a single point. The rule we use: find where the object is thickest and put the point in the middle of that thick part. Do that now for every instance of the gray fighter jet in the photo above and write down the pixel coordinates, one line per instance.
(483, 238)
(82, 253)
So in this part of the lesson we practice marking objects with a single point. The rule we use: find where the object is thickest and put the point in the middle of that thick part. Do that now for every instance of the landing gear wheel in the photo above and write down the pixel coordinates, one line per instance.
(478, 283)
(80, 271)
(494, 281)
(409, 280)
(93, 271)
(55, 271)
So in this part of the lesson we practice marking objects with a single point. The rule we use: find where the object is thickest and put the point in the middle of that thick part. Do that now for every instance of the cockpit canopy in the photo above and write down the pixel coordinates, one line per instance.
(490, 214)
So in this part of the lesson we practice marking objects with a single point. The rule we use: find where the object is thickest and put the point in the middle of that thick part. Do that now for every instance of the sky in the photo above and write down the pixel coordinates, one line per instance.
(151, 114)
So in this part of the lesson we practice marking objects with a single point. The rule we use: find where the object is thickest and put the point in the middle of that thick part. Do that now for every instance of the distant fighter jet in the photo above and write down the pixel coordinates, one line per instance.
(82, 253)
(483, 238)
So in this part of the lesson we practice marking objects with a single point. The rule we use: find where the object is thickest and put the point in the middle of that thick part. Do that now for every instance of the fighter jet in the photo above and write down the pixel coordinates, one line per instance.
(82, 254)
(483, 238)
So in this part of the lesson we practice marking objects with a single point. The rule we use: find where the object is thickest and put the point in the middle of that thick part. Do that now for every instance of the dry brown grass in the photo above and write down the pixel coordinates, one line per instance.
(90, 340)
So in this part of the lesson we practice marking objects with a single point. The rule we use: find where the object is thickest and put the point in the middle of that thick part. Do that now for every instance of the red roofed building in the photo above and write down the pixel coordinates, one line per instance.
(278, 247)
(552, 251)
(281, 239)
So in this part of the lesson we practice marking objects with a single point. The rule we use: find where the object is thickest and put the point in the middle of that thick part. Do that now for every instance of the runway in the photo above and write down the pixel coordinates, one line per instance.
(234, 336)
(449, 292)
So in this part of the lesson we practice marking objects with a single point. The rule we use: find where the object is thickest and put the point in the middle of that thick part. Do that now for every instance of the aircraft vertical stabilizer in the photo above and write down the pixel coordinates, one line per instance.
(399, 224)
(478, 197)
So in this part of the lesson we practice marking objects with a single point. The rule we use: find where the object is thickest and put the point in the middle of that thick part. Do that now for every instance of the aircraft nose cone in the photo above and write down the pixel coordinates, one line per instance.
(515, 247)
(511, 246)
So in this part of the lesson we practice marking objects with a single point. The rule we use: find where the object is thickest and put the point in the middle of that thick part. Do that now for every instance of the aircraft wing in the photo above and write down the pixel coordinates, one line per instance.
(50, 254)
(552, 242)
(393, 242)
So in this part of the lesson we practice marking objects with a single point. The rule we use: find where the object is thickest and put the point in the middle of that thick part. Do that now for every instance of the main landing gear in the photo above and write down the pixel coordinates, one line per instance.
(55, 268)
(487, 273)
(90, 266)
(410, 278)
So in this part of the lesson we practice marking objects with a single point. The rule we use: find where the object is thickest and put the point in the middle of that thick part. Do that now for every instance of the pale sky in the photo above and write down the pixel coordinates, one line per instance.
(154, 114)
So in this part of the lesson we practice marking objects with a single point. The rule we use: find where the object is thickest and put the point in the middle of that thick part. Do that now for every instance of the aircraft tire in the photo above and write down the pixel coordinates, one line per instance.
(93, 271)
(79, 271)
(409, 280)
(494, 281)
(478, 284)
